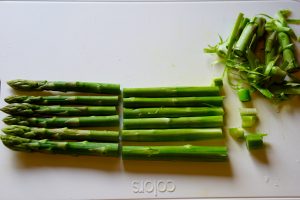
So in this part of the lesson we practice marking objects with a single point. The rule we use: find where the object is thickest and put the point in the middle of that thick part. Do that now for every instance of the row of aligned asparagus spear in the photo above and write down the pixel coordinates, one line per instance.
(31, 131)
(46, 123)
(172, 114)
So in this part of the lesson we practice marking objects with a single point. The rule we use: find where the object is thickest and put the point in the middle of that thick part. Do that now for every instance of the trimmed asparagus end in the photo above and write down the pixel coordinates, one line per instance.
(237, 133)
(244, 95)
(218, 82)
(255, 141)
(248, 121)
(248, 111)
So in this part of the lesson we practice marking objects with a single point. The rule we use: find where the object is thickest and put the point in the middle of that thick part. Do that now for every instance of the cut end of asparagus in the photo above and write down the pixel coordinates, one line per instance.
(218, 82)
(249, 121)
(255, 141)
(244, 95)
(237, 133)
(248, 111)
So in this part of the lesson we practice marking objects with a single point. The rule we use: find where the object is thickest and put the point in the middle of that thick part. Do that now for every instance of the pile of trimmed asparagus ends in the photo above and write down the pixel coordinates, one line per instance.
(88, 124)
(85, 124)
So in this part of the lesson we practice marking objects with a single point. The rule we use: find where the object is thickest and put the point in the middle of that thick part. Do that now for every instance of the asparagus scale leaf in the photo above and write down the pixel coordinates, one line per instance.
(90, 87)
(61, 133)
(56, 147)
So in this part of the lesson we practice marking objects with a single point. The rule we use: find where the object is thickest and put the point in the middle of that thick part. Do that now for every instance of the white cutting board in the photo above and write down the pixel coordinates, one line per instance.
(140, 44)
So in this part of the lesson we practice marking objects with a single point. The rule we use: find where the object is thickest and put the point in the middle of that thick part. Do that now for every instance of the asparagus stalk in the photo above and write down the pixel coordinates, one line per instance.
(163, 135)
(26, 109)
(55, 147)
(172, 112)
(181, 122)
(65, 100)
(289, 60)
(186, 152)
(61, 133)
(91, 121)
(90, 87)
(270, 49)
(245, 39)
(136, 102)
(171, 91)
(288, 90)
(235, 31)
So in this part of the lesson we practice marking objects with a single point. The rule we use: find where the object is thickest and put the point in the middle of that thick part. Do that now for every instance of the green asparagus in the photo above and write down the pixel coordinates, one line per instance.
(171, 112)
(26, 109)
(181, 122)
(56, 147)
(186, 152)
(248, 121)
(61, 133)
(237, 133)
(91, 121)
(135, 102)
(90, 87)
(245, 39)
(171, 91)
(65, 100)
(289, 60)
(162, 135)
(244, 95)
(255, 141)
(259, 55)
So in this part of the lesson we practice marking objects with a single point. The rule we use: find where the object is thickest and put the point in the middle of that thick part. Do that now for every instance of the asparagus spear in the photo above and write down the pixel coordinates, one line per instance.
(181, 122)
(92, 121)
(172, 112)
(171, 91)
(135, 102)
(55, 147)
(161, 135)
(65, 100)
(26, 109)
(61, 133)
(186, 152)
(91, 87)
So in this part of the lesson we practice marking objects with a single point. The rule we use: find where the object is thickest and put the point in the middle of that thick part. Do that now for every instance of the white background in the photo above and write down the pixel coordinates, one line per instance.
(139, 44)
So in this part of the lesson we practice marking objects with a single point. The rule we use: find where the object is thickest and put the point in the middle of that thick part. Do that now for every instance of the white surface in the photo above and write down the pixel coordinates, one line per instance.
(139, 44)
